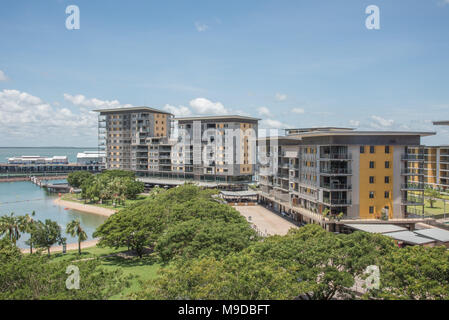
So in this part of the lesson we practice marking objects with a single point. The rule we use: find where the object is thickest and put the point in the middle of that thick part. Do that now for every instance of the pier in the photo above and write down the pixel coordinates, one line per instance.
(23, 172)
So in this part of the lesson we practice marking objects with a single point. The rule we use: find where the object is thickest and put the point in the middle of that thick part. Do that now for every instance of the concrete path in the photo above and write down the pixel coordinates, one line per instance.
(265, 220)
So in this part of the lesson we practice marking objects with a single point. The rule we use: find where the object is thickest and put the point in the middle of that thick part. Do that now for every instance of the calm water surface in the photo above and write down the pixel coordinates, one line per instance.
(24, 197)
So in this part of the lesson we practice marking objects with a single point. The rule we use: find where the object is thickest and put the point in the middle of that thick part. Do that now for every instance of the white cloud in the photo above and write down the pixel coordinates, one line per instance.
(180, 111)
(82, 101)
(264, 112)
(298, 110)
(3, 77)
(381, 123)
(200, 27)
(27, 118)
(273, 124)
(281, 97)
(205, 106)
(354, 123)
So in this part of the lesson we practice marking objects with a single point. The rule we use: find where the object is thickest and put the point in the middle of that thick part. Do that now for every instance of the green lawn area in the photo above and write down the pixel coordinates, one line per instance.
(438, 207)
(141, 269)
(77, 198)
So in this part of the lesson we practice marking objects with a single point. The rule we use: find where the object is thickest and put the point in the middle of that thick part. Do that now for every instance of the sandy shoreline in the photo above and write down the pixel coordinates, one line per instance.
(85, 207)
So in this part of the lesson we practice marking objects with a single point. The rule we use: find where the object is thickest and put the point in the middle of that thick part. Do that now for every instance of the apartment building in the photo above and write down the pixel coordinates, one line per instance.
(123, 133)
(436, 166)
(218, 149)
(222, 149)
(356, 174)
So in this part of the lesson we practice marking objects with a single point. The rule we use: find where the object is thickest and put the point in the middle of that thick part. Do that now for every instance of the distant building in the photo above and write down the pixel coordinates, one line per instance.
(90, 157)
(38, 160)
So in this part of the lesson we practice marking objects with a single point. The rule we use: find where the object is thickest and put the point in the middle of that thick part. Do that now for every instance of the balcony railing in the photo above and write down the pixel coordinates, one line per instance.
(335, 170)
(334, 186)
(412, 157)
(413, 201)
(335, 156)
(412, 186)
(411, 171)
(334, 202)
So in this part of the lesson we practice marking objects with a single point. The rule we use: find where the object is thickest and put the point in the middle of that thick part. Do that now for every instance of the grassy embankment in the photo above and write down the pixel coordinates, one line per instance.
(141, 269)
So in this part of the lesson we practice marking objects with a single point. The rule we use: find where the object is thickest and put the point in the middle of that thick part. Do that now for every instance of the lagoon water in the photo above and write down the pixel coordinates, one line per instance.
(24, 197)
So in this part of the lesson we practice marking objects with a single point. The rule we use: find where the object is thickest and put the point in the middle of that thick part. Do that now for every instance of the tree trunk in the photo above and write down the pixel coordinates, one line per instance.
(31, 249)
(48, 249)
(79, 247)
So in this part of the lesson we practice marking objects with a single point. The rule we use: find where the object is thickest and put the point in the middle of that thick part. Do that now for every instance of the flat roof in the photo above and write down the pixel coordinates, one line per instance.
(136, 109)
(247, 193)
(409, 237)
(441, 123)
(434, 233)
(301, 135)
(224, 117)
(376, 228)
(319, 129)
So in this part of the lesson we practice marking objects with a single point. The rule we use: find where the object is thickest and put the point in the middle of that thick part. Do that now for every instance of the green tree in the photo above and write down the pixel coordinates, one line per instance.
(75, 230)
(47, 234)
(433, 195)
(31, 277)
(413, 273)
(76, 179)
(12, 226)
(195, 238)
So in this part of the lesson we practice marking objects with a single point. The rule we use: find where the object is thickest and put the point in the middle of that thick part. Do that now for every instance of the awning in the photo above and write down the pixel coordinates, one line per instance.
(238, 194)
(434, 233)
(409, 237)
(376, 228)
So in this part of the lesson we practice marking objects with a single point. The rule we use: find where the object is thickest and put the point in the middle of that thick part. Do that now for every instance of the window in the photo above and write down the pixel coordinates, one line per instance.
(371, 194)
(371, 209)
(371, 149)
(387, 179)
(362, 149)
(387, 149)
(387, 194)
(387, 164)
(371, 179)
(371, 164)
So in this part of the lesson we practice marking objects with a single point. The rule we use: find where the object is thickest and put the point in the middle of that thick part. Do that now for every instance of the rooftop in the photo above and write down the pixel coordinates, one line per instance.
(441, 123)
(225, 117)
(133, 109)
(349, 132)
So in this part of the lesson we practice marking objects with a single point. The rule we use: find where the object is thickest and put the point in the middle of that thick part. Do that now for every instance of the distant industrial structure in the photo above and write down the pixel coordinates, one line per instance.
(90, 157)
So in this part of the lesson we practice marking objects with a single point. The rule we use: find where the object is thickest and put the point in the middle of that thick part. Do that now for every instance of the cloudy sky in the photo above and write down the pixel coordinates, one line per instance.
(296, 63)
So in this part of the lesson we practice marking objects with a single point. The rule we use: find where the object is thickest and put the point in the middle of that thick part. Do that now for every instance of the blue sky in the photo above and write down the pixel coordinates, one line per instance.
(292, 63)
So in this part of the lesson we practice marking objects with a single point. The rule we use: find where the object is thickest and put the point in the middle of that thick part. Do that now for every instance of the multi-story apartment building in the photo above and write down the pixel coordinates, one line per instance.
(122, 134)
(216, 148)
(219, 149)
(436, 164)
(358, 174)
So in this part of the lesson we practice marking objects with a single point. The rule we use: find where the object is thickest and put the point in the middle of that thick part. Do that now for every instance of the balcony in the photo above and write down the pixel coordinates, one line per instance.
(336, 171)
(337, 202)
(412, 172)
(334, 186)
(413, 201)
(412, 157)
(335, 156)
(412, 186)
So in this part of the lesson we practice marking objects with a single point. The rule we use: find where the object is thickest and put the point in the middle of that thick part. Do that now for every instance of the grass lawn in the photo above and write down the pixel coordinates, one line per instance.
(438, 207)
(77, 198)
(142, 269)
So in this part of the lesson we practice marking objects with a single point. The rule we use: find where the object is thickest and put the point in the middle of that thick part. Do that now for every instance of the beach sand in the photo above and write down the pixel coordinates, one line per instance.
(85, 208)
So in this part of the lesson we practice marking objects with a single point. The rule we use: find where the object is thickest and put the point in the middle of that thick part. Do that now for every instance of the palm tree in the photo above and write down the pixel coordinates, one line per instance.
(75, 230)
(30, 224)
(13, 226)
